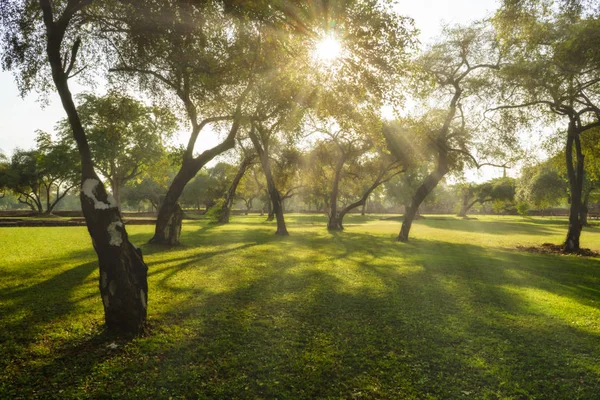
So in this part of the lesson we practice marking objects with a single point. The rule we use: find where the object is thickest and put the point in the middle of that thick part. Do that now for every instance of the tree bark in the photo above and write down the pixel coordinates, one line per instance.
(164, 232)
(273, 192)
(334, 223)
(123, 284)
(224, 217)
(466, 207)
(363, 200)
(116, 191)
(575, 175)
(270, 212)
(583, 214)
(422, 192)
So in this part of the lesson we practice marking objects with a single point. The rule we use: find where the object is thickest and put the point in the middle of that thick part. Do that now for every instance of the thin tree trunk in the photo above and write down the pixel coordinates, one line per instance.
(575, 175)
(466, 207)
(123, 284)
(273, 192)
(362, 201)
(583, 215)
(334, 223)
(116, 189)
(364, 208)
(48, 188)
(422, 192)
(270, 212)
(224, 217)
(164, 232)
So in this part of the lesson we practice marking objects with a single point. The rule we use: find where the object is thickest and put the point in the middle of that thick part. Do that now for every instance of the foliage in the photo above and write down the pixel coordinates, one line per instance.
(126, 137)
(215, 212)
(41, 177)
(522, 208)
(541, 186)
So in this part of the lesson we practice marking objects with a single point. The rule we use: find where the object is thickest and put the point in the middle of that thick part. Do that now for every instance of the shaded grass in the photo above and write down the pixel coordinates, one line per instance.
(240, 313)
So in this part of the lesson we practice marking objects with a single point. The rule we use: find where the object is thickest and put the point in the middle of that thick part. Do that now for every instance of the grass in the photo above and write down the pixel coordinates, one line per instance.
(240, 313)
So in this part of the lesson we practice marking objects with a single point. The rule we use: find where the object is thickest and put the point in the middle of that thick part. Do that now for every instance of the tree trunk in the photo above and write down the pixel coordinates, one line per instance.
(226, 211)
(465, 208)
(422, 192)
(273, 192)
(334, 223)
(116, 189)
(362, 201)
(270, 212)
(363, 209)
(123, 284)
(583, 214)
(165, 232)
(575, 175)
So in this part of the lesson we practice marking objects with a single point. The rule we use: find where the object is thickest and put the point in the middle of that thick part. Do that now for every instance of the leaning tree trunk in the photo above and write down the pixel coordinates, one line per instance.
(362, 201)
(170, 216)
(226, 211)
(465, 208)
(422, 192)
(166, 232)
(273, 192)
(575, 175)
(123, 284)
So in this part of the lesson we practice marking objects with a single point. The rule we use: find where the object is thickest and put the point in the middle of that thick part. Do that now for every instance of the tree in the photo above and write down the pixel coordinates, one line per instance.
(247, 160)
(541, 186)
(198, 56)
(4, 165)
(124, 135)
(349, 163)
(48, 35)
(499, 189)
(248, 189)
(261, 134)
(553, 72)
(42, 177)
(453, 70)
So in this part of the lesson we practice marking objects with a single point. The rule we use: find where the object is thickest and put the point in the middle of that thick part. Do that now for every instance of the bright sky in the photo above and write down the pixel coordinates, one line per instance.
(19, 118)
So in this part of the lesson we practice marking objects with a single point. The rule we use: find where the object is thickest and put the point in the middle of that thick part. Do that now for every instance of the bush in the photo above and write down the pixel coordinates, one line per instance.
(215, 213)
(523, 208)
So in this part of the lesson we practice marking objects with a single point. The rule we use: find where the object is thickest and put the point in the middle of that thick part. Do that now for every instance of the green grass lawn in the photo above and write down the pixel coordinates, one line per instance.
(240, 313)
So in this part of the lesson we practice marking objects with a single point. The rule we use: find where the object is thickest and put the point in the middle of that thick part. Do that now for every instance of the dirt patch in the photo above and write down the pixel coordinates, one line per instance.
(550, 248)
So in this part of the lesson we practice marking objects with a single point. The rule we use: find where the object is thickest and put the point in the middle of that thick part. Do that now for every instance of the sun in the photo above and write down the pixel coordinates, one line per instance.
(327, 50)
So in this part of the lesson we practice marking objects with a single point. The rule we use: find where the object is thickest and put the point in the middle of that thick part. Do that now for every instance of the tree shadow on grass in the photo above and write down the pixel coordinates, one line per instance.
(418, 333)
(490, 226)
(377, 320)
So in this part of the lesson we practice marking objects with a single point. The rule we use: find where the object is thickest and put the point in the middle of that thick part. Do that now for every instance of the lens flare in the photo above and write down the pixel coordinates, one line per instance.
(327, 50)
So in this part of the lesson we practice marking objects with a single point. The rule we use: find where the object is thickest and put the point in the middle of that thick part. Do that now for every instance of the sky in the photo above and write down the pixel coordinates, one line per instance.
(21, 117)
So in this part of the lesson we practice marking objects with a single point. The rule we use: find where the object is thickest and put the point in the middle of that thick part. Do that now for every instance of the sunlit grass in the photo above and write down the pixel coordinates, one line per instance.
(240, 313)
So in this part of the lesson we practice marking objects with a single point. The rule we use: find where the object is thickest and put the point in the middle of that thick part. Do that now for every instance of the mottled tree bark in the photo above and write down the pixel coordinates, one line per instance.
(123, 284)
